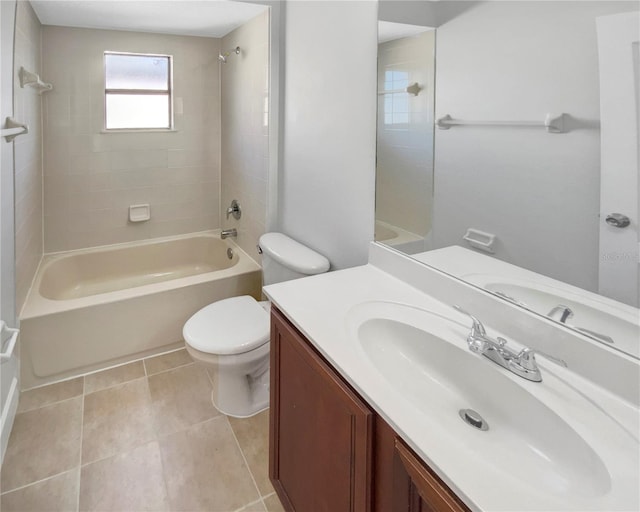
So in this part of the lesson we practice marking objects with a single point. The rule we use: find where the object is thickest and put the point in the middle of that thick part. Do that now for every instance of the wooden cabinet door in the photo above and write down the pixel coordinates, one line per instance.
(421, 490)
(320, 431)
(402, 482)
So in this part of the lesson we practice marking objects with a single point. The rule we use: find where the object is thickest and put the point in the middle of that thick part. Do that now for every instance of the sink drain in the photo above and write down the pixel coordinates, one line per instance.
(472, 418)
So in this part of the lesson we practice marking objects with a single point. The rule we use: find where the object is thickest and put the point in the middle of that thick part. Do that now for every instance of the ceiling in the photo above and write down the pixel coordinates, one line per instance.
(205, 18)
(387, 30)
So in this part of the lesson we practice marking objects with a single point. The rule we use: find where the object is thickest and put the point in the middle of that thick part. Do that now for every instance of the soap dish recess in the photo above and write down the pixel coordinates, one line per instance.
(480, 240)
(139, 212)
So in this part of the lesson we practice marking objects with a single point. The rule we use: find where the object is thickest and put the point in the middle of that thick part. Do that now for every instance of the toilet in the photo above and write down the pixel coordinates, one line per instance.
(231, 337)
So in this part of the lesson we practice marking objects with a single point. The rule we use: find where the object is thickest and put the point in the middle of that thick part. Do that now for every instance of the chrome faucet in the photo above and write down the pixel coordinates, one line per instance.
(226, 233)
(561, 313)
(234, 210)
(522, 363)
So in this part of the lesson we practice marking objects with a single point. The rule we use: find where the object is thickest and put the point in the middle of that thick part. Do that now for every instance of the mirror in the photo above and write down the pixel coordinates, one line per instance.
(404, 142)
(512, 179)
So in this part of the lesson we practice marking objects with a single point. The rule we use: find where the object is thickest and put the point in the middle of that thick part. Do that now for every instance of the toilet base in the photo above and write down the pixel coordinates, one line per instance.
(249, 395)
(258, 408)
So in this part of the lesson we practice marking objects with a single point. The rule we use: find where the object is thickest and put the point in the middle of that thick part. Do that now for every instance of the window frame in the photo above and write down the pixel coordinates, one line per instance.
(141, 92)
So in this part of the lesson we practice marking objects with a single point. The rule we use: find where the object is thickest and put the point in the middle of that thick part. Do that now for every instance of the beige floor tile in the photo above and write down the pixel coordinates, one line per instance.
(253, 437)
(273, 504)
(204, 470)
(43, 443)
(113, 376)
(50, 394)
(167, 361)
(116, 419)
(130, 481)
(258, 506)
(56, 494)
(180, 398)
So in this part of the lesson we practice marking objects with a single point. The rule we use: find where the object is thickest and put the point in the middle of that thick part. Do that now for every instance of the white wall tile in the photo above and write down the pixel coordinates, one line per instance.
(94, 175)
(243, 148)
(28, 154)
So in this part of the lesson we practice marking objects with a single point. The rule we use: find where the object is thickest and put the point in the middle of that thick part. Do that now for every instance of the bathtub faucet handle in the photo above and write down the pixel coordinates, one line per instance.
(234, 210)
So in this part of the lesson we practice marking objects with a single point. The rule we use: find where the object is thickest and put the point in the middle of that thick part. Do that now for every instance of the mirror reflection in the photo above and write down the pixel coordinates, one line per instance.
(533, 190)
(404, 146)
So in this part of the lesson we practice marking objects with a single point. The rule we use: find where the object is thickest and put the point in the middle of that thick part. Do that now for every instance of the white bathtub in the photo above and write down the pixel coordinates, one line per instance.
(95, 308)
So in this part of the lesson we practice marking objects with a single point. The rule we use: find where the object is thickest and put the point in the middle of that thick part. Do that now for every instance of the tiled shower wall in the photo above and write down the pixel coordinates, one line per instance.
(244, 106)
(91, 177)
(28, 155)
(404, 170)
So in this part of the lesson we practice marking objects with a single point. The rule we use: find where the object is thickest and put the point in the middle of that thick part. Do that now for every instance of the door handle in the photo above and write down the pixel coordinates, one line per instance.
(617, 220)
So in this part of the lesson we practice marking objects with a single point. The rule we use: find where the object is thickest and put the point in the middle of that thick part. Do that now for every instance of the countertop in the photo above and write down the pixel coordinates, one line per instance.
(319, 305)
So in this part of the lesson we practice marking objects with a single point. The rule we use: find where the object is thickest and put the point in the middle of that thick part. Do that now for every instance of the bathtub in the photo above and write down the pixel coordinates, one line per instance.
(95, 308)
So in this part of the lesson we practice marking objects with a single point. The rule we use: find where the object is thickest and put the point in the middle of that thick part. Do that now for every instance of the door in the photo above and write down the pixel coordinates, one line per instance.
(619, 62)
(9, 366)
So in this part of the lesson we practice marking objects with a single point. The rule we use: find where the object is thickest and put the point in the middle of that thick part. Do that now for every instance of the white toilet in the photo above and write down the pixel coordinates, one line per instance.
(231, 337)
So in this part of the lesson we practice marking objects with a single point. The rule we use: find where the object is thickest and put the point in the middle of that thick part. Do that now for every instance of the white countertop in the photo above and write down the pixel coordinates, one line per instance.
(319, 305)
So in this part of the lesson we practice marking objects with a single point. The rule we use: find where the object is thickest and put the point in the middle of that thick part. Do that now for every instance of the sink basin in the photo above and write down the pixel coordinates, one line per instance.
(424, 357)
(621, 323)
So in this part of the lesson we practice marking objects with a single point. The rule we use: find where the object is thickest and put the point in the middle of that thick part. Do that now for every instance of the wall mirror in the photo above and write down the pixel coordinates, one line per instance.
(508, 153)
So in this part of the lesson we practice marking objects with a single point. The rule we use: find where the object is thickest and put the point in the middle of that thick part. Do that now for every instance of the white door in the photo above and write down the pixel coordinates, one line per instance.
(9, 388)
(619, 61)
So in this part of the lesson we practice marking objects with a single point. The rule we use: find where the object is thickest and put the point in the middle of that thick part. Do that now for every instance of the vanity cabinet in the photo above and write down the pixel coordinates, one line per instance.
(329, 451)
(320, 430)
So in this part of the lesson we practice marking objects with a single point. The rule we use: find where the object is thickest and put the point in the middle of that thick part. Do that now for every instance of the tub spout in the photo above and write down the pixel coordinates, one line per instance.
(226, 233)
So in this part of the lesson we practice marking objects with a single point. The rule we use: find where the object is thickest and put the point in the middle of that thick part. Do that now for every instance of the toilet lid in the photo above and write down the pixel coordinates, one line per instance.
(229, 326)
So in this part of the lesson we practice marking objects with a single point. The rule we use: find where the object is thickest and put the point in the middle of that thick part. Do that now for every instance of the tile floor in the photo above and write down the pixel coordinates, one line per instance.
(143, 436)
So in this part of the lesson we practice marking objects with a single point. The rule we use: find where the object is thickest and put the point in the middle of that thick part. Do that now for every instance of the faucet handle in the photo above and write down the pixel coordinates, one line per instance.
(527, 358)
(477, 326)
(234, 210)
(477, 338)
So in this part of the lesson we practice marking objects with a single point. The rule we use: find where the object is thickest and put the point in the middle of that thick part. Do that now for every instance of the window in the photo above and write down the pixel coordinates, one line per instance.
(396, 101)
(137, 91)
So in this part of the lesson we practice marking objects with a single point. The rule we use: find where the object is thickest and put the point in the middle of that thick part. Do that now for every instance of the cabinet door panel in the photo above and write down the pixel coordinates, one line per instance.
(321, 432)
(421, 490)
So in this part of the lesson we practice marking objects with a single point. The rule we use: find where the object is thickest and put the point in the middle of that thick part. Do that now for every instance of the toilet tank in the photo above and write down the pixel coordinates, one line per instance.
(284, 259)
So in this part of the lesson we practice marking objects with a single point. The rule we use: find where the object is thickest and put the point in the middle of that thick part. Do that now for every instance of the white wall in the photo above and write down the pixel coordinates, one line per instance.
(327, 180)
(538, 192)
(27, 153)
(91, 177)
(245, 130)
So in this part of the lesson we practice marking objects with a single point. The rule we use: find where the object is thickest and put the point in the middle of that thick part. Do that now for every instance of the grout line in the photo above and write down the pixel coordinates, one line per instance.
(113, 386)
(159, 437)
(243, 457)
(52, 403)
(117, 454)
(164, 475)
(244, 507)
(81, 440)
(39, 481)
(158, 441)
(171, 369)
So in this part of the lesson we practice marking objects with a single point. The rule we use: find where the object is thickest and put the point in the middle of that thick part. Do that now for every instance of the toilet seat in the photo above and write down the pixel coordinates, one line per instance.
(230, 326)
